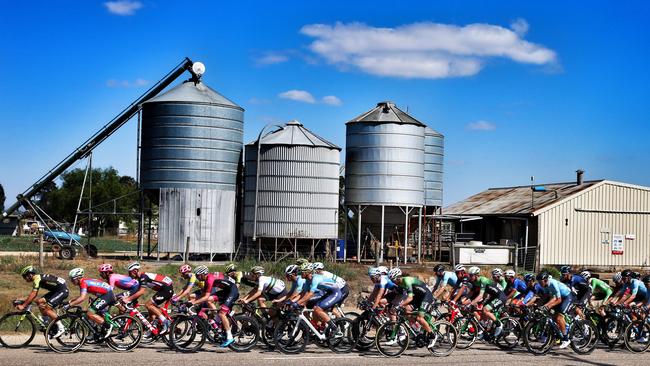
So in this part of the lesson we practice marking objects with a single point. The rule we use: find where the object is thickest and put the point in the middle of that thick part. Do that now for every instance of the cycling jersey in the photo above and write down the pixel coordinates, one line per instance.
(600, 289)
(320, 284)
(422, 297)
(478, 286)
(556, 289)
(243, 277)
(155, 281)
(95, 287)
(221, 288)
(124, 282)
(536, 290)
(577, 283)
(270, 285)
(501, 284)
(296, 286)
(339, 280)
(48, 282)
(519, 287)
(636, 288)
(385, 283)
(447, 278)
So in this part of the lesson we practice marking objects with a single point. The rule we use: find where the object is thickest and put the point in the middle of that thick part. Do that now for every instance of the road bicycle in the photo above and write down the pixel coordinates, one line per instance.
(542, 333)
(152, 329)
(470, 328)
(18, 328)
(364, 327)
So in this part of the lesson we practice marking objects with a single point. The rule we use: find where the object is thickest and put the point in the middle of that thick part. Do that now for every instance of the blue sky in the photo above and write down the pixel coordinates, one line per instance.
(518, 89)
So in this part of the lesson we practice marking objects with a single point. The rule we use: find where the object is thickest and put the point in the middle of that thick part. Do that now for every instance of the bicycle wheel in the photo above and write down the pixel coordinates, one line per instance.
(392, 338)
(126, 335)
(467, 329)
(147, 336)
(291, 336)
(637, 336)
(72, 338)
(364, 332)
(339, 337)
(188, 333)
(246, 332)
(445, 338)
(538, 337)
(583, 336)
(510, 335)
(266, 332)
(614, 329)
(17, 330)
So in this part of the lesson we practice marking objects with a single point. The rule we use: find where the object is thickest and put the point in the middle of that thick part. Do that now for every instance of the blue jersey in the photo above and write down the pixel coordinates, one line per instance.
(531, 292)
(577, 283)
(319, 284)
(448, 278)
(385, 283)
(297, 286)
(519, 286)
(636, 287)
(557, 289)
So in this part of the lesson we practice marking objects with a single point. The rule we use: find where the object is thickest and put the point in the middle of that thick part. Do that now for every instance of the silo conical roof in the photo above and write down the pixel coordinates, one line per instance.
(294, 133)
(386, 112)
(197, 93)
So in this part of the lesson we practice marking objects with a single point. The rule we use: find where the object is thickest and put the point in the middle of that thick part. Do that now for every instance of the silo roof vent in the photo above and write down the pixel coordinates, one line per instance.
(386, 112)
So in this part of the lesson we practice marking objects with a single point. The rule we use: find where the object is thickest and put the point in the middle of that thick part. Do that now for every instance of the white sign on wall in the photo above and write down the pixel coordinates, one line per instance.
(617, 244)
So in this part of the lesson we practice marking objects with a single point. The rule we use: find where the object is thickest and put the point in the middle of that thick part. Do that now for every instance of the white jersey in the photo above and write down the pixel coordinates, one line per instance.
(340, 282)
(270, 285)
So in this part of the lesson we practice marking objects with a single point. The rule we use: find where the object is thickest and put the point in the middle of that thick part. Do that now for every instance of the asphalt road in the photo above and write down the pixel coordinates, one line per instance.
(482, 354)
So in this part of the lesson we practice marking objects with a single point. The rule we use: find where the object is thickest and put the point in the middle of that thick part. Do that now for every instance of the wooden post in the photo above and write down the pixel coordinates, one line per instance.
(186, 255)
(41, 260)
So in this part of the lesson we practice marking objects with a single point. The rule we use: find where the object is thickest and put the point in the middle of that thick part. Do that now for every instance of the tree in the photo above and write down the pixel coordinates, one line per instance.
(2, 198)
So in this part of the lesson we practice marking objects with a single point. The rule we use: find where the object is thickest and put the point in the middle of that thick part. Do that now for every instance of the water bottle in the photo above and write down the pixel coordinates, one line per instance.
(213, 323)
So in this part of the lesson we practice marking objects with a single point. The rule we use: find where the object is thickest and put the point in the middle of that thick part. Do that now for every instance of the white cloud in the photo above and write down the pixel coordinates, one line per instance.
(298, 95)
(271, 58)
(481, 126)
(332, 100)
(123, 7)
(520, 26)
(114, 83)
(423, 50)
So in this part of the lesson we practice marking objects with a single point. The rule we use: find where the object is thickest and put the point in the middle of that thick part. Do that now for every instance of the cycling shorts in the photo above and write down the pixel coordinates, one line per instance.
(330, 299)
(271, 297)
(495, 303)
(422, 304)
(345, 292)
(163, 295)
(226, 298)
(55, 297)
(396, 297)
(103, 303)
(564, 305)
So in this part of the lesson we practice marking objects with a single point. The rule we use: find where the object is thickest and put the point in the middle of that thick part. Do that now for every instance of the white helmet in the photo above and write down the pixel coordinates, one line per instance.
(318, 266)
(586, 275)
(76, 273)
(394, 273)
(374, 272)
(474, 270)
(617, 277)
(383, 270)
(497, 272)
(510, 273)
(459, 268)
(291, 269)
(133, 266)
(201, 270)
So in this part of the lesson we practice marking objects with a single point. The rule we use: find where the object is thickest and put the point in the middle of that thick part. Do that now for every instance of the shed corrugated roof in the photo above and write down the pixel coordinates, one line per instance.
(515, 200)
(192, 92)
(294, 133)
(386, 112)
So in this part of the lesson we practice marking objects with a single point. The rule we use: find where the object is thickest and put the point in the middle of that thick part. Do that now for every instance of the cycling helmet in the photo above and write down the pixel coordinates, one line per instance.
(133, 266)
(636, 275)
(185, 268)
(510, 273)
(646, 279)
(565, 269)
(258, 270)
(586, 275)
(383, 270)
(474, 270)
(201, 270)
(373, 272)
(543, 276)
(104, 268)
(459, 268)
(617, 277)
(438, 268)
(230, 268)
(301, 261)
(394, 273)
(76, 273)
(497, 272)
(529, 277)
(626, 273)
(306, 267)
(291, 269)
(318, 266)
(27, 270)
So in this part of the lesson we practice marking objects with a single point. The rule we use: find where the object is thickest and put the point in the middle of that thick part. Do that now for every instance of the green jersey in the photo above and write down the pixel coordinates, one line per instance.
(600, 288)
(414, 287)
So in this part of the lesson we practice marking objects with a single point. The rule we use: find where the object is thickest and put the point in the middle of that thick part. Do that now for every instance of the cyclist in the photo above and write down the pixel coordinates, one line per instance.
(579, 286)
(633, 291)
(560, 298)
(296, 282)
(516, 289)
(487, 294)
(418, 297)
(105, 297)
(498, 280)
(120, 281)
(267, 288)
(443, 279)
(218, 287)
(238, 276)
(323, 293)
(384, 290)
(600, 290)
(534, 290)
(57, 292)
(163, 285)
(186, 272)
(319, 268)
(459, 290)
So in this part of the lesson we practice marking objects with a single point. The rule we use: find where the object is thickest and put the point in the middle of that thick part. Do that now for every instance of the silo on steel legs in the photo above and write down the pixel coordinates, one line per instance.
(384, 169)
(192, 139)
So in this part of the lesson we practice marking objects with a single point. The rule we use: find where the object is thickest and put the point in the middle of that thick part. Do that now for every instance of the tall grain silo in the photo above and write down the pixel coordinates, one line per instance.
(293, 193)
(384, 173)
(192, 139)
(434, 145)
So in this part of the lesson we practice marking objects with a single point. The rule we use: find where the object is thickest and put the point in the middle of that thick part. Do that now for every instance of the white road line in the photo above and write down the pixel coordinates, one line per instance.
(310, 357)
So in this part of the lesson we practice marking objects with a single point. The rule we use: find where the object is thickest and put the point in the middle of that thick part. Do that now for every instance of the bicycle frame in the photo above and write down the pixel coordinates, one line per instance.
(302, 318)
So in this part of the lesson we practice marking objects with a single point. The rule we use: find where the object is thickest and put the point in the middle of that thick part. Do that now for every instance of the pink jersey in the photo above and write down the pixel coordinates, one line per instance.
(123, 282)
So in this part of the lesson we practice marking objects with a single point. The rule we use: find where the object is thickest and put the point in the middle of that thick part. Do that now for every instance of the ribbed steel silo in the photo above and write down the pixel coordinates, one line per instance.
(297, 183)
(192, 139)
(384, 158)
(434, 151)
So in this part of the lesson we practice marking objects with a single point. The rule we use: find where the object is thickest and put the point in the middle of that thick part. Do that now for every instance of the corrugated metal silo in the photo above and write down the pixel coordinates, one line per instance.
(384, 158)
(192, 139)
(298, 192)
(434, 151)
